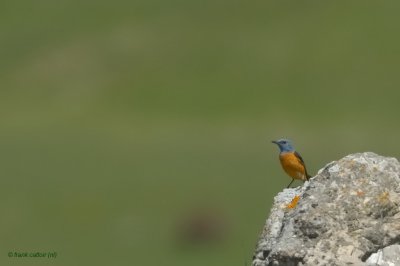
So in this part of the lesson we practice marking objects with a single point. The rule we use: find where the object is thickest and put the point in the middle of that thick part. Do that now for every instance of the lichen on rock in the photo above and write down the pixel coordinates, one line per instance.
(346, 213)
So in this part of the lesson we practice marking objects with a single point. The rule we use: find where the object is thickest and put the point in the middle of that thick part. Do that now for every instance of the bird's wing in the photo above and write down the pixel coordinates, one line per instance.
(302, 163)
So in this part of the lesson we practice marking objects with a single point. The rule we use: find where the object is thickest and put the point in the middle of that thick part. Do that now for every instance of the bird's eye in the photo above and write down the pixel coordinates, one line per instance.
(284, 142)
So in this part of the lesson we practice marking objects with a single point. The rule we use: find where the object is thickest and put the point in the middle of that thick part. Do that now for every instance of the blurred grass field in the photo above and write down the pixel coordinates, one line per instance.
(119, 120)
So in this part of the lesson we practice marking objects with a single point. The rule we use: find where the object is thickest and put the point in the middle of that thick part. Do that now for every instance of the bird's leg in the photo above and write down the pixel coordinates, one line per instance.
(290, 183)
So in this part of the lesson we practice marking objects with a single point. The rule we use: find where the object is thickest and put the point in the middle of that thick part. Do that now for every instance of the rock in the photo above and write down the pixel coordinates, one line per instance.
(347, 214)
(388, 256)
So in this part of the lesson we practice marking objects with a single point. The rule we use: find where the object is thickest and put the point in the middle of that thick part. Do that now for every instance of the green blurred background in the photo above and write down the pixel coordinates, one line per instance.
(128, 125)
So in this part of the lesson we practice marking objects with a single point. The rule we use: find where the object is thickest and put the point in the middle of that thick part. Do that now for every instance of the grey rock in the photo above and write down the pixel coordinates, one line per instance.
(346, 213)
(388, 256)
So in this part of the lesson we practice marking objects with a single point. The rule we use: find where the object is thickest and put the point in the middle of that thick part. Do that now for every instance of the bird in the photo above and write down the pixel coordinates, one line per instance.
(291, 161)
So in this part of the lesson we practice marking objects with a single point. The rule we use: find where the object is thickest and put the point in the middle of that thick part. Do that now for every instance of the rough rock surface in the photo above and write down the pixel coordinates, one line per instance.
(347, 214)
(388, 256)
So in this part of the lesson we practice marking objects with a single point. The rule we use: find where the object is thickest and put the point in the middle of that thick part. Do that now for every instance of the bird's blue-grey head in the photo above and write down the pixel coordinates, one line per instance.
(284, 145)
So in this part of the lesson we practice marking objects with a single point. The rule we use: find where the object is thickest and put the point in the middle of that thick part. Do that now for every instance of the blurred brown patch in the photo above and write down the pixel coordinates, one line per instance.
(203, 226)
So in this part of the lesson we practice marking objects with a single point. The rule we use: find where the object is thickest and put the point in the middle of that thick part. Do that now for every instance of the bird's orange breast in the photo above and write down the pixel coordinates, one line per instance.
(292, 165)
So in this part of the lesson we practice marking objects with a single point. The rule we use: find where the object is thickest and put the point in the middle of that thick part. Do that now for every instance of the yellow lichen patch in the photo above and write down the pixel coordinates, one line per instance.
(360, 193)
(293, 203)
(383, 198)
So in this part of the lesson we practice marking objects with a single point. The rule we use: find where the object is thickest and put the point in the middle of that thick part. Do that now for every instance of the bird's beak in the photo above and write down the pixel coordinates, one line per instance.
(274, 141)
